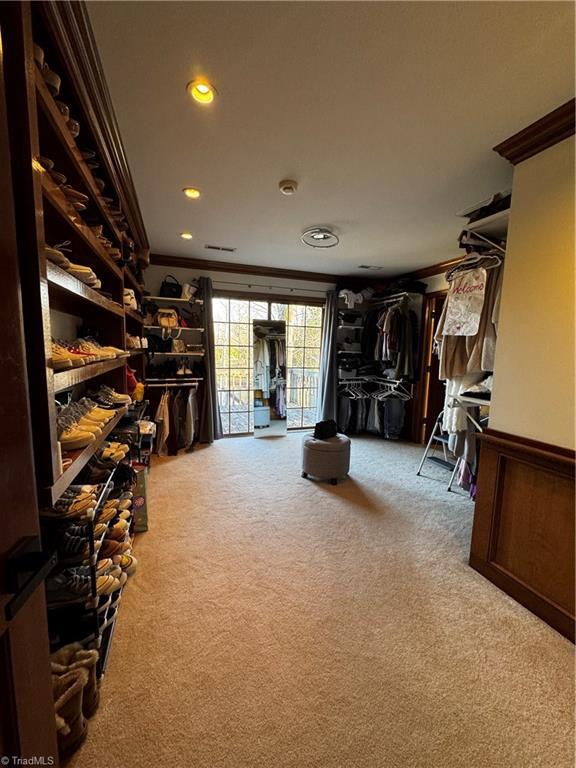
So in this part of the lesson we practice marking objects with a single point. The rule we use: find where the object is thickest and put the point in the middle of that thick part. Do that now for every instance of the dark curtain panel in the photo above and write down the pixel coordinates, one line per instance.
(210, 427)
(327, 390)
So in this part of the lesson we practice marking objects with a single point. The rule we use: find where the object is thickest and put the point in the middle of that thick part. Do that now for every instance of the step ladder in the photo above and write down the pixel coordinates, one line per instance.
(438, 437)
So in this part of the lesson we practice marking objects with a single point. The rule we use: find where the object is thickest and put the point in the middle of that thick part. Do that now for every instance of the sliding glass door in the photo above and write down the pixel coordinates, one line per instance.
(233, 346)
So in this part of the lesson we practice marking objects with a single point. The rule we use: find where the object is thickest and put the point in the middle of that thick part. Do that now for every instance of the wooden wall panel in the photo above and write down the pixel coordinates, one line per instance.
(523, 534)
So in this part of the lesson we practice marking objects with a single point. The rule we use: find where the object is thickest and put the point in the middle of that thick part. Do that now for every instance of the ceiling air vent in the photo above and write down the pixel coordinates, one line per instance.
(224, 248)
(366, 266)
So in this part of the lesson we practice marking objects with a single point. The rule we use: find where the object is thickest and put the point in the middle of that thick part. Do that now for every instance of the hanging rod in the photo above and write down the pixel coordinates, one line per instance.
(269, 287)
(180, 384)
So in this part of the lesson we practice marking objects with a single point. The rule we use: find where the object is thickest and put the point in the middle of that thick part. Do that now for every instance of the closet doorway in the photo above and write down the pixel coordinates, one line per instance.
(432, 392)
(233, 316)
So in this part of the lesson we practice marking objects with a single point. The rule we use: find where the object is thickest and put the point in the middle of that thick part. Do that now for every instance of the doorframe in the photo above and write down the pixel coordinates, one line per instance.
(427, 351)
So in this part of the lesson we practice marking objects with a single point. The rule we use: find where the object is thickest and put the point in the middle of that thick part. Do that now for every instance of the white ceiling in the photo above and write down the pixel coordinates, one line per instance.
(385, 113)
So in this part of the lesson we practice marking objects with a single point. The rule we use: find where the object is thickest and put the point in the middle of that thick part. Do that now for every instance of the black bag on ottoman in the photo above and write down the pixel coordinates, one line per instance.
(325, 429)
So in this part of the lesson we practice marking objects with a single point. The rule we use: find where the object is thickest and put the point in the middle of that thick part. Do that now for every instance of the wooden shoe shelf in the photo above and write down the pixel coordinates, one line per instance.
(55, 304)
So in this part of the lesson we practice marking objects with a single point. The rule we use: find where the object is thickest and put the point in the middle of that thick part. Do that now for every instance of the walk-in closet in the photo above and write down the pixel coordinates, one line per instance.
(288, 394)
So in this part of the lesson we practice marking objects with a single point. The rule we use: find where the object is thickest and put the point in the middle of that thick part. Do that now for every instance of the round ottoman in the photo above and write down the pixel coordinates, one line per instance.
(326, 459)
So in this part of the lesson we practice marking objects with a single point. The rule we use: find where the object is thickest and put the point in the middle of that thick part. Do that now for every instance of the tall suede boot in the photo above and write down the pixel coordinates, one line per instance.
(74, 656)
(70, 722)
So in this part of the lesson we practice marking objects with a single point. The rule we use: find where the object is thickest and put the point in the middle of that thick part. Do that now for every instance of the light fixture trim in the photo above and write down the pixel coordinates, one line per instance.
(201, 90)
(186, 235)
(320, 237)
(193, 193)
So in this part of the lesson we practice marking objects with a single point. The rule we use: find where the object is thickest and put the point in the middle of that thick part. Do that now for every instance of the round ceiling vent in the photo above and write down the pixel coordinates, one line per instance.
(288, 186)
(320, 237)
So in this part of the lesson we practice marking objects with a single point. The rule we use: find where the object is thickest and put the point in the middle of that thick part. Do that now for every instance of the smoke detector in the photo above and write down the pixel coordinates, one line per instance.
(288, 187)
(320, 237)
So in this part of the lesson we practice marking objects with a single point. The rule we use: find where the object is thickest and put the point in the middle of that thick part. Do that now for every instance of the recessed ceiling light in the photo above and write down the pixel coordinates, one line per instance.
(201, 91)
(186, 235)
(191, 192)
(320, 237)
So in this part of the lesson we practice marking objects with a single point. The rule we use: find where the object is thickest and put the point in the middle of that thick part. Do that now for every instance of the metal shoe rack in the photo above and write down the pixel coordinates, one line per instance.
(83, 618)
(54, 301)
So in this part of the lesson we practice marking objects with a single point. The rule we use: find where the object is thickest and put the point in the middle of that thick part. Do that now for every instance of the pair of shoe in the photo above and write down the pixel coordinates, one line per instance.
(97, 351)
(183, 370)
(78, 501)
(113, 451)
(60, 254)
(79, 424)
(136, 342)
(107, 397)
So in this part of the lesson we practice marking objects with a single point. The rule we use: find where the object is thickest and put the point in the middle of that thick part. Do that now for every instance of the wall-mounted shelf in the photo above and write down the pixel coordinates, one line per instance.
(179, 354)
(75, 294)
(183, 328)
(72, 376)
(495, 225)
(177, 301)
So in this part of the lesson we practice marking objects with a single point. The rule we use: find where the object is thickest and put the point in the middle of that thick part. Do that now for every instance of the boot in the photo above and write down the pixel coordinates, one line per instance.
(74, 656)
(70, 723)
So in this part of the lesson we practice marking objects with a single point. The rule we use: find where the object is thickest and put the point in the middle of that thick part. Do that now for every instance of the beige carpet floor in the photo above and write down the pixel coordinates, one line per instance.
(277, 622)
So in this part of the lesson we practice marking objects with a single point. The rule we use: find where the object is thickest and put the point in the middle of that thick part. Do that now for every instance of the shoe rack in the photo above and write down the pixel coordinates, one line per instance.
(94, 164)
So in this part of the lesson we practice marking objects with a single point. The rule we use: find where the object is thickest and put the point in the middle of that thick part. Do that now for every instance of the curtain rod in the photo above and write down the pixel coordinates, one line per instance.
(270, 287)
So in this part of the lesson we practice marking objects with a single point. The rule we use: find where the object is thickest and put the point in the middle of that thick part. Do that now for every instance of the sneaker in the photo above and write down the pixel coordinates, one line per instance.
(90, 349)
(117, 396)
(70, 584)
(103, 565)
(64, 358)
(84, 274)
(128, 563)
(73, 438)
(57, 257)
(117, 352)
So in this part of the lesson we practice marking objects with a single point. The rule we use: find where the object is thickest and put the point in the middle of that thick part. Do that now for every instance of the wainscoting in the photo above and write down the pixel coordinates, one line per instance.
(523, 534)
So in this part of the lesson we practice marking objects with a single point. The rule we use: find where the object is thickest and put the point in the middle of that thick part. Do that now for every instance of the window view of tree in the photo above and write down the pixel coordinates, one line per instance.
(233, 347)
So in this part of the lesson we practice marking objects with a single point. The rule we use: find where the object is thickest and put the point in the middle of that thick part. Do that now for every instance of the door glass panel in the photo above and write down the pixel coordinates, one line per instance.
(234, 359)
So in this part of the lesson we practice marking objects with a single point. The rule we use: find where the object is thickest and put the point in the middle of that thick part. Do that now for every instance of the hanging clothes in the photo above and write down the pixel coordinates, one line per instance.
(262, 366)
(162, 419)
(461, 355)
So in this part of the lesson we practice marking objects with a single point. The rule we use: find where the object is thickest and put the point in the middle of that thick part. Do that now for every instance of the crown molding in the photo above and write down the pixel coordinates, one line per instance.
(549, 130)
(207, 265)
(435, 269)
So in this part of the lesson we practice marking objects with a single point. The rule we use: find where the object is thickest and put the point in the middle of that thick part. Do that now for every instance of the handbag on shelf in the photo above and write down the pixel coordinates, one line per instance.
(150, 310)
(170, 288)
(188, 291)
(167, 318)
(179, 346)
